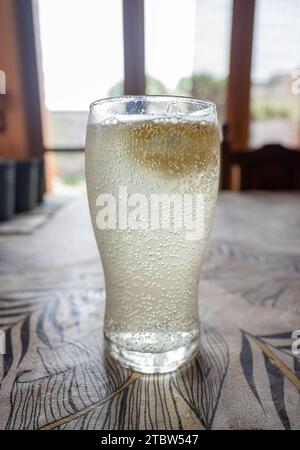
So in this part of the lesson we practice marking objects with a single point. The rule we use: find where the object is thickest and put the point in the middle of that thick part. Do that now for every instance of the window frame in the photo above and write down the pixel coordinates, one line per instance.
(239, 79)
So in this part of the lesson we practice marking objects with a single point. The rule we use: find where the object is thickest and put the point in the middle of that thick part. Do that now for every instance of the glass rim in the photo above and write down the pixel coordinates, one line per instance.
(155, 98)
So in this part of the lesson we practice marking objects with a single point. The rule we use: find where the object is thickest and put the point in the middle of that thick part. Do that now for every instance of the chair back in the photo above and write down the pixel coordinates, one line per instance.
(271, 167)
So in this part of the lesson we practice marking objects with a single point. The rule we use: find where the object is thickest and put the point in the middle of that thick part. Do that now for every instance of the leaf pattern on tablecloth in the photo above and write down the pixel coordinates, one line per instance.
(73, 385)
(200, 383)
(46, 324)
(266, 279)
(133, 407)
(74, 378)
(280, 365)
(276, 378)
(246, 360)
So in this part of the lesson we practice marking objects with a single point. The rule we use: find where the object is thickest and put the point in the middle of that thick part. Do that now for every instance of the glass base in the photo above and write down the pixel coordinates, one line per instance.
(152, 362)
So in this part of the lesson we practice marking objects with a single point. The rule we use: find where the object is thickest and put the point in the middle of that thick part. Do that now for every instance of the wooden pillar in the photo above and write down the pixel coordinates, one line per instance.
(21, 137)
(30, 78)
(14, 135)
(238, 95)
(134, 52)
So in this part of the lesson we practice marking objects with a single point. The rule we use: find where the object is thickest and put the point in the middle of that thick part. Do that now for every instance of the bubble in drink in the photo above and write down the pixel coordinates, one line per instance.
(152, 275)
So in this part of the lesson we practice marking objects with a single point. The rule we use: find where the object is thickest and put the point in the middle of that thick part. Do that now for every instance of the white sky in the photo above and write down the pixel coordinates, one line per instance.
(83, 49)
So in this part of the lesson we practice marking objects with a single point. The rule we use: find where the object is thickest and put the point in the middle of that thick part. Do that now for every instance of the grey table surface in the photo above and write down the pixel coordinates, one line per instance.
(55, 374)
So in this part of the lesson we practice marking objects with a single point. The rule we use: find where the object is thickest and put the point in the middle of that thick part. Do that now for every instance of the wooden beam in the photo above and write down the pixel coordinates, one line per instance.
(29, 69)
(238, 95)
(134, 52)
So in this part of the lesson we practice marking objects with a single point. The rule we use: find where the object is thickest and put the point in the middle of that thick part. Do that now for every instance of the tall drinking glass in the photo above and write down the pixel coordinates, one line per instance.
(152, 171)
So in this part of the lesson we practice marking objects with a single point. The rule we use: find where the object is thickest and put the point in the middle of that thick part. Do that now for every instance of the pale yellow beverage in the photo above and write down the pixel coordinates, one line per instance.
(151, 271)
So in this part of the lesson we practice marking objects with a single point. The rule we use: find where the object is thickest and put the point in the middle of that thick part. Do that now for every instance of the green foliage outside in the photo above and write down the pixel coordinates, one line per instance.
(273, 108)
(203, 86)
(153, 87)
(117, 89)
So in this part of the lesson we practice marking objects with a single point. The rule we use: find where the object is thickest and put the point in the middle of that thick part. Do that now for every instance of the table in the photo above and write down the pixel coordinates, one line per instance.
(54, 373)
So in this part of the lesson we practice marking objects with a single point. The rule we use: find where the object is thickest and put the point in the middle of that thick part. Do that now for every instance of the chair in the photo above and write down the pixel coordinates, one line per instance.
(271, 167)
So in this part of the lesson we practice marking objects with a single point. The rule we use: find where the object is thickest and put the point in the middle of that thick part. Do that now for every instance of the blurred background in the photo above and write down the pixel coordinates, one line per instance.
(57, 56)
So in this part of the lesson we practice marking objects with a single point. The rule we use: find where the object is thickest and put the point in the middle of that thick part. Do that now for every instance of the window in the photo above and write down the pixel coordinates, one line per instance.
(82, 60)
(187, 45)
(275, 110)
(187, 48)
